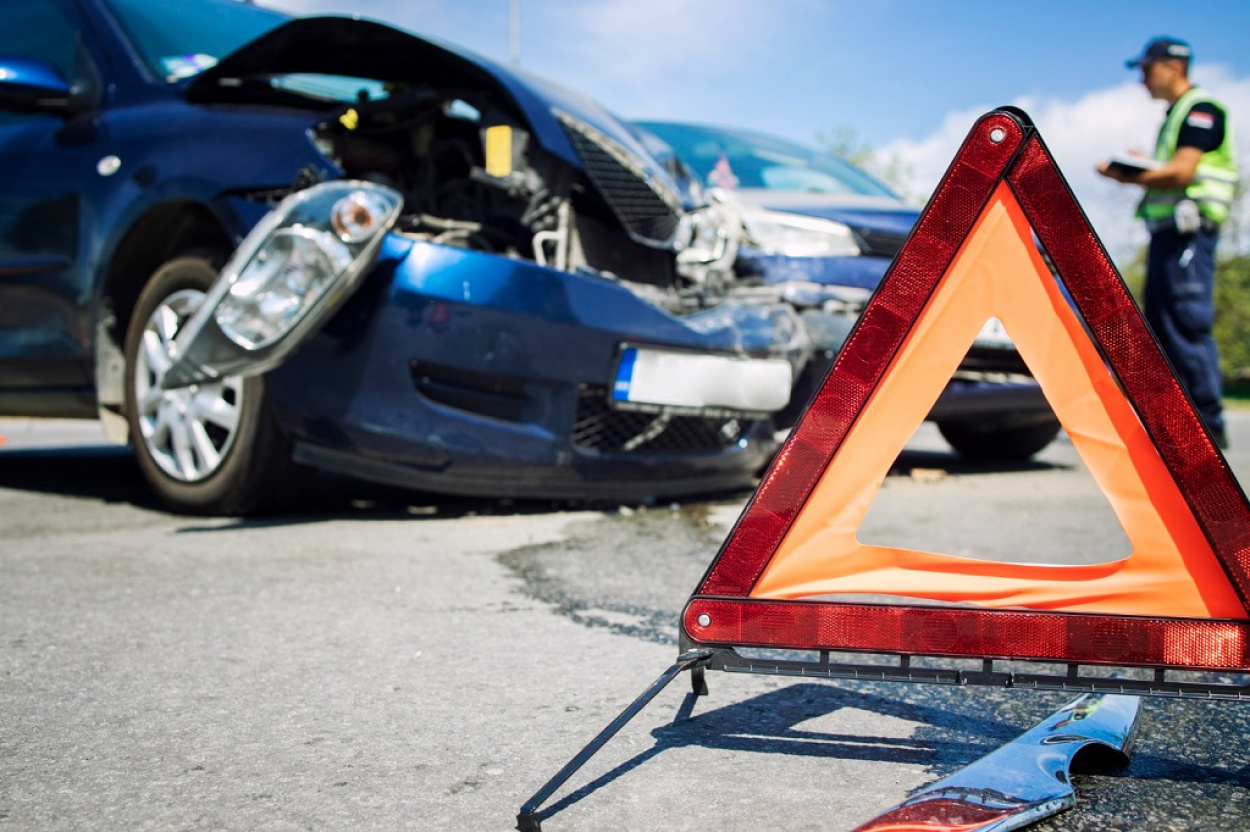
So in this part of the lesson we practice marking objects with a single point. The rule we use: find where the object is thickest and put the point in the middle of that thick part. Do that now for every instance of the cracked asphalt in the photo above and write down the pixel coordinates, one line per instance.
(381, 659)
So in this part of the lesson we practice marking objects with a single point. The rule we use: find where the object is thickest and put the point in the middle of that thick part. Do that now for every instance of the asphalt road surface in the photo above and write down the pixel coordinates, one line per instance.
(385, 660)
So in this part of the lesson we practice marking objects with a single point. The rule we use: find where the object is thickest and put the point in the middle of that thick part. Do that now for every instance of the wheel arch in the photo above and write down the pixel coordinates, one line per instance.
(159, 234)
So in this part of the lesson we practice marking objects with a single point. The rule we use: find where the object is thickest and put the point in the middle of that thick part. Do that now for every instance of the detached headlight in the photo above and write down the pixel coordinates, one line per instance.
(792, 235)
(292, 269)
(314, 242)
(298, 264)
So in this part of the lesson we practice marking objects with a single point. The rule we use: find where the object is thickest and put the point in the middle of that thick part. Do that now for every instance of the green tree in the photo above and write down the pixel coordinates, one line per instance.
(1232, 308)
(1232, 315)
(1134, 274)
(1232, 290)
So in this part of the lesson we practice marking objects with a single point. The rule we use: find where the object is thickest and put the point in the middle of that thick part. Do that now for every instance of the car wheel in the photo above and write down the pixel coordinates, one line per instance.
(997, 442)
(207, 448)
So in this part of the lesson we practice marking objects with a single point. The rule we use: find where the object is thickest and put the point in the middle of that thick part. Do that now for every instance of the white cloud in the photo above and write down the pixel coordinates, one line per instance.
(696, 35)
(656, 58)
(1080, 133)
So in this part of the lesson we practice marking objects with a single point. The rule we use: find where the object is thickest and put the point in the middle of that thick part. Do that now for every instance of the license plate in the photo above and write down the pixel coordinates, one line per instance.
(690, 380)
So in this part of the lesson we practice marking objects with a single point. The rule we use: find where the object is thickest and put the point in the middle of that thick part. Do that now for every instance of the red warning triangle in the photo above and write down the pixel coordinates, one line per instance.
(1178, 600)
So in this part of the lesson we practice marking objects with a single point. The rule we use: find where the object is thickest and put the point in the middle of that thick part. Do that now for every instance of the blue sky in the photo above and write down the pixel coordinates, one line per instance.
(909, 76)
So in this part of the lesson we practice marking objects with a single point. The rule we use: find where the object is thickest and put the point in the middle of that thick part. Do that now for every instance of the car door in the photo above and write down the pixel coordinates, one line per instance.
(45, 326)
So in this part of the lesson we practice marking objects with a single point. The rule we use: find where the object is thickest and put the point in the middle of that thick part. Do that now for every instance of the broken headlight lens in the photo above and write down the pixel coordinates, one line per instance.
(774, 232)
(299, 264)
(315, 241)
(707, 239)
(291, 270)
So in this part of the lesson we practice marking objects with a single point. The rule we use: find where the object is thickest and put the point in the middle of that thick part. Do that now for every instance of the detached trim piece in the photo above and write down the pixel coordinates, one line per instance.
(1024, 781)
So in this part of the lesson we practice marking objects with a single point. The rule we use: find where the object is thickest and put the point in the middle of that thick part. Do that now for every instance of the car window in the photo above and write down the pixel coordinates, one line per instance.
(743, 159)
(331, 87)
(178, 40)
(37, 29)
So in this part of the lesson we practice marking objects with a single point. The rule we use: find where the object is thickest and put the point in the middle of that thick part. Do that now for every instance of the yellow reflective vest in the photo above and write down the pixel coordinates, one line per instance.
(1215, 181)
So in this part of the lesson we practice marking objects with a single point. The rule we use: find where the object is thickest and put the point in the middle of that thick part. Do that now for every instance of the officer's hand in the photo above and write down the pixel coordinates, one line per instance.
(1104, 167)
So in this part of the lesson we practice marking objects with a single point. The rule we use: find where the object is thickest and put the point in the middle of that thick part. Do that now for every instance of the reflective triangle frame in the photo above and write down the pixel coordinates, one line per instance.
(1003, 150)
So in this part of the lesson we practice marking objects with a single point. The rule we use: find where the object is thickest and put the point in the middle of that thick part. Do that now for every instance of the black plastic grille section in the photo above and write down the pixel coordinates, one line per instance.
(625, 184)
(609, 249)
(879, 243)
(602, 429)
(497, 396)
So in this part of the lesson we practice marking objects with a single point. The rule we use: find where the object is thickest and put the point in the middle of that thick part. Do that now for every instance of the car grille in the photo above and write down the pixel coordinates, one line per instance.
(607, 249)
(643, 205)
(600, 428)
(879, 243)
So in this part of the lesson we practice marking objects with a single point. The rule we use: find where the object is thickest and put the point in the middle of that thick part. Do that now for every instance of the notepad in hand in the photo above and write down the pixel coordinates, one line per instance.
(1131, 164)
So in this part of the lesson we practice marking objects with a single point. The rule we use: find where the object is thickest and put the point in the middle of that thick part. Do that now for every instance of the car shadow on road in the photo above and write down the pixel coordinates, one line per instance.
(105, 473)
(109, 474)
(331, 498)
(913, 463)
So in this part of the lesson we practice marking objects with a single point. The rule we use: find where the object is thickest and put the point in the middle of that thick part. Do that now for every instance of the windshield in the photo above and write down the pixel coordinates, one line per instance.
(178, 40)
(744, 159)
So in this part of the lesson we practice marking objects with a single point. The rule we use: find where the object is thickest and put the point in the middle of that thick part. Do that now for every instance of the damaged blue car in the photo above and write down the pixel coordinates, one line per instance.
(253, 245)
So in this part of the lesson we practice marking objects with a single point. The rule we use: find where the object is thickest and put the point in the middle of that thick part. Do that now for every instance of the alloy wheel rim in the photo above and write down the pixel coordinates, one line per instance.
(187, 431)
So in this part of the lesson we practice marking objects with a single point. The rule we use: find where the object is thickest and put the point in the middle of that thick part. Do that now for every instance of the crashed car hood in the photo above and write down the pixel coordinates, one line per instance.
(874, 213)
(365, 49)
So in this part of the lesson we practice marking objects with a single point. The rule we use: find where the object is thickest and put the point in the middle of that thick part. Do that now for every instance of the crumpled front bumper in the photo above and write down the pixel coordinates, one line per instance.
(461, 372)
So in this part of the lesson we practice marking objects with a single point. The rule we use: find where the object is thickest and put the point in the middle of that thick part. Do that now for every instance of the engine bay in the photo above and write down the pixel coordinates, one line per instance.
(472, 176)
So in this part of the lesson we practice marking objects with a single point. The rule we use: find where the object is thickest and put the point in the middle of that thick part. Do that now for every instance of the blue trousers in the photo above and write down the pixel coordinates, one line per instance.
(1180, 308)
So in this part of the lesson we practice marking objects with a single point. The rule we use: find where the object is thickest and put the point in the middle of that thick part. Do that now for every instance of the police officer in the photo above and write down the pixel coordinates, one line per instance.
(1189, 189)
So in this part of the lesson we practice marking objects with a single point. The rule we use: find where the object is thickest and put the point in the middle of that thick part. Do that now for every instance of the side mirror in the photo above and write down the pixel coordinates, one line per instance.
(28, 85)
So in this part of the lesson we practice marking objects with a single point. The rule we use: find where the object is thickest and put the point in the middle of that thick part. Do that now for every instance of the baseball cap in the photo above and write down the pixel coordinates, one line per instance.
(1161, 48)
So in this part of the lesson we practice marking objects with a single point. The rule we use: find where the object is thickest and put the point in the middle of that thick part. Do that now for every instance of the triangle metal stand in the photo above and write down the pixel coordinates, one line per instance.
(529, 820)
(699, 660)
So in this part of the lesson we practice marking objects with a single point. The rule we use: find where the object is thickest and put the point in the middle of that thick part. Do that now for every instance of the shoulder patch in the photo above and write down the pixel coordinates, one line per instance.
(1201, 120)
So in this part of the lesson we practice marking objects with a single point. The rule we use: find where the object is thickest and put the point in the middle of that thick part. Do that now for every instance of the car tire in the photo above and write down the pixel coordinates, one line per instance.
(982, 441)
(208, 448)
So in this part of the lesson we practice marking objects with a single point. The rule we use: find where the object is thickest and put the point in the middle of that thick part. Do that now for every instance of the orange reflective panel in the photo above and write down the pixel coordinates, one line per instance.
(998, 272)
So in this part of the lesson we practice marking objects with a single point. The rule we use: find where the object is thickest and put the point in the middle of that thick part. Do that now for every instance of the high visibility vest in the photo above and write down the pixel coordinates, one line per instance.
(1215, 180)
